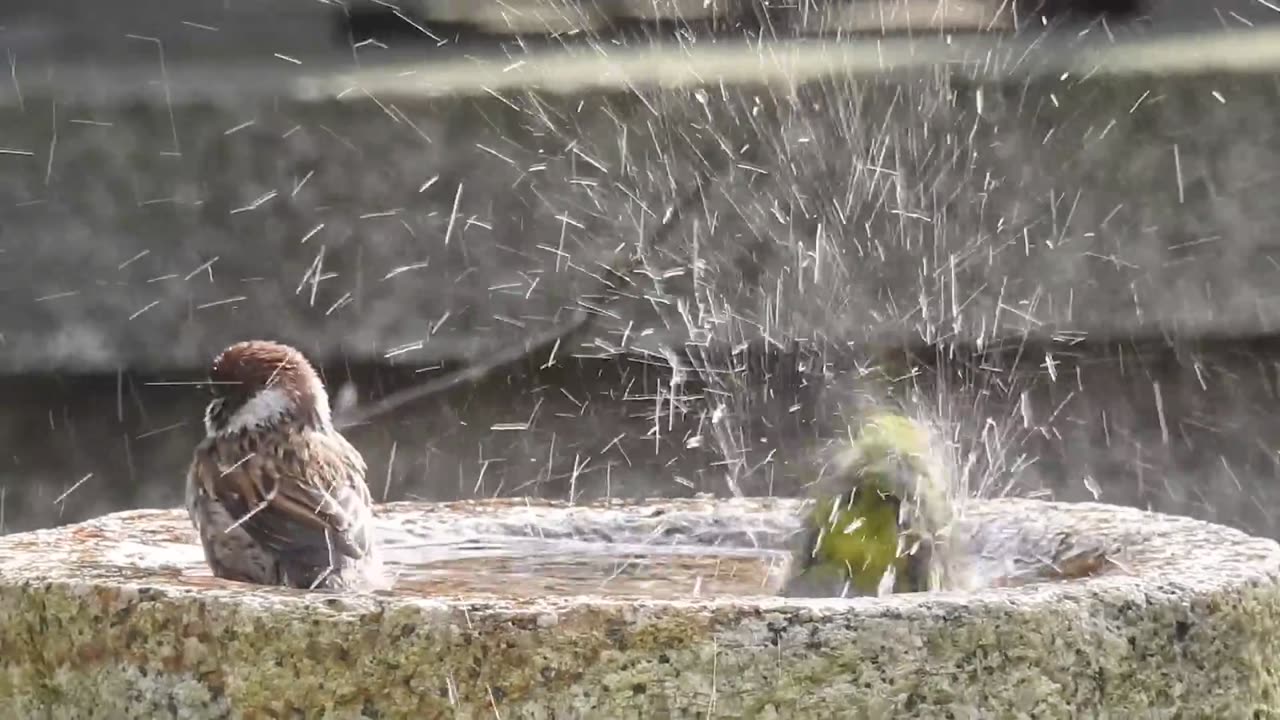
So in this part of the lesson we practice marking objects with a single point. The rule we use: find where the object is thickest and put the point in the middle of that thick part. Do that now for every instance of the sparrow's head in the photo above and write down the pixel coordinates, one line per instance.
(260, 384)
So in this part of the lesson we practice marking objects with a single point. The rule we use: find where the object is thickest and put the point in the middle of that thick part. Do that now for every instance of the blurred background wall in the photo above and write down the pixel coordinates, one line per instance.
(1058, 242)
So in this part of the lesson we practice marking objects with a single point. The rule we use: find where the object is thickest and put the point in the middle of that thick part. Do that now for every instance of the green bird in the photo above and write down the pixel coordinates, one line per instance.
(882, 515)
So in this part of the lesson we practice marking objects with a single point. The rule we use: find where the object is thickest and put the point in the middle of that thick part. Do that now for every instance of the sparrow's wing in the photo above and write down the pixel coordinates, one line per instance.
(304, 500)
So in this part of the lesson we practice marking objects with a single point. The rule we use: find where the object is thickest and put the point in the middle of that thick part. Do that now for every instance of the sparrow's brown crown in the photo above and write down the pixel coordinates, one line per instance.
(258, 382)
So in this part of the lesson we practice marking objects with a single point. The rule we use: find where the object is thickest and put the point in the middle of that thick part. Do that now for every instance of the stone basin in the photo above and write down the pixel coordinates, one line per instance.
(663, 608)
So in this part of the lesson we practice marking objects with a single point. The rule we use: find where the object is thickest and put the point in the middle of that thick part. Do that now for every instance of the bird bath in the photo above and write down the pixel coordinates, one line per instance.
(657, 609)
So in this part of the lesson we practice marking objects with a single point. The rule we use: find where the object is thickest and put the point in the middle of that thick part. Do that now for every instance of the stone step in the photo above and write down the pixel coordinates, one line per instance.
(556, 17)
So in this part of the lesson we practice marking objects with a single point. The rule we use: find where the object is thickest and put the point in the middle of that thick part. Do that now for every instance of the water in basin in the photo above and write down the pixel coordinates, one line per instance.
(680, 550)
(518, 567)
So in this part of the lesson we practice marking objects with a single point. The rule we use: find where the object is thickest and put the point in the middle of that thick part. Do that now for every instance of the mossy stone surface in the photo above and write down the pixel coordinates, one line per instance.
(1186, 622)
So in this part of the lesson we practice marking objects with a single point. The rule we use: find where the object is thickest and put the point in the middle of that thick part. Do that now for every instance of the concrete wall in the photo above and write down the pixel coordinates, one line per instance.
(148, 218)
(896, 210)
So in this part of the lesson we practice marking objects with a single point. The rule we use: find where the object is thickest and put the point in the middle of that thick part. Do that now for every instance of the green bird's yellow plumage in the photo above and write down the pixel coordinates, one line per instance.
(880, 518)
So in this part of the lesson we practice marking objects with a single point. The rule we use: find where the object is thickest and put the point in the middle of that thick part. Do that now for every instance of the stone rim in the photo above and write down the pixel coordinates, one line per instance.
(1153, 556)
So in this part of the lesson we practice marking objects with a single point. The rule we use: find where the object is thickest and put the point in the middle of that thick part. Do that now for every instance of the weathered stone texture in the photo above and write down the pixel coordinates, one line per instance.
(1188, 624)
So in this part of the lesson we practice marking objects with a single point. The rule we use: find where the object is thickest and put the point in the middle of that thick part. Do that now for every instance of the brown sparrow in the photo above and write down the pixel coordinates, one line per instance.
(277, 495)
